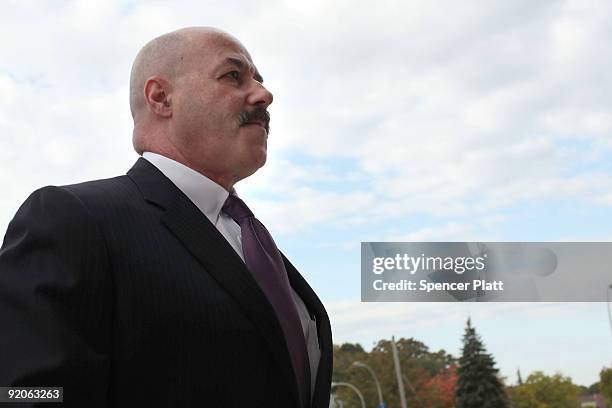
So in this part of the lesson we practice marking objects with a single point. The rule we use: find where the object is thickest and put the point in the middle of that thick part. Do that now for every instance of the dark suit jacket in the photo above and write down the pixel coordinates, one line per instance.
(122, 292)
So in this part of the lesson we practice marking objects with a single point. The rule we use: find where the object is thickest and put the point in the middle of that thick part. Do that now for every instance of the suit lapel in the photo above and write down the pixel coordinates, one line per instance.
(312, 302)
(216, 256)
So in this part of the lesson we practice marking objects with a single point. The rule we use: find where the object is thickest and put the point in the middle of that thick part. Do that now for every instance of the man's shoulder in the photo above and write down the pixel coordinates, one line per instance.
(99, 187)
(105, 194)
(93, 196)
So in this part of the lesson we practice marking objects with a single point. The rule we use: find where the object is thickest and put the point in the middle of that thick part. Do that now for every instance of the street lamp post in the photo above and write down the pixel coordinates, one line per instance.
(363, 365)
(351, 386)
(335, 402)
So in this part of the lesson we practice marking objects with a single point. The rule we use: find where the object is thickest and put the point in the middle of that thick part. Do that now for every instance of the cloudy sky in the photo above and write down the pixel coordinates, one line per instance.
(400, 121)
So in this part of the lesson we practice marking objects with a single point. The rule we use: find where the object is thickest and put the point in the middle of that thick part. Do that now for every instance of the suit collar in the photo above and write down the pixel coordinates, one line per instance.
(207, 195)
(216, 256)
(154, 186)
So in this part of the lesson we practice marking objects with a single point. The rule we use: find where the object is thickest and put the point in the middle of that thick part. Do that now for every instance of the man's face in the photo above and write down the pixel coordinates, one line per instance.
(219, 111)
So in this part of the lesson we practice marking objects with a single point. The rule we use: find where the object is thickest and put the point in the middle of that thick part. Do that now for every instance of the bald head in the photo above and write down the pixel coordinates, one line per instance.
(169, 56)
(197, 98)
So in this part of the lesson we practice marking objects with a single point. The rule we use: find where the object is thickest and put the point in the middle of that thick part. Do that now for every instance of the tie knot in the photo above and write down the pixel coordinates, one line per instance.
(236, 208)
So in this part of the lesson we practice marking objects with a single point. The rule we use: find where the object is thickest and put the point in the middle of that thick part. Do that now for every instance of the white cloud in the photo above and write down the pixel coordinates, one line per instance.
(454, 123)
(451, 231)
(369, 322)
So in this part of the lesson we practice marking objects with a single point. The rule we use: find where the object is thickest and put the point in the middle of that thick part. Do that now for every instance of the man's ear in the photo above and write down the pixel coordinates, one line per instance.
(157, 95)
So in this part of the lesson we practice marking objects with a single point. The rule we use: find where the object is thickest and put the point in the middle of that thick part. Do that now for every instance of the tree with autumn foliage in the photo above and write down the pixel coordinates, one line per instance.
(439, 391)
(419, 367)
(543, 391)
(478, 384)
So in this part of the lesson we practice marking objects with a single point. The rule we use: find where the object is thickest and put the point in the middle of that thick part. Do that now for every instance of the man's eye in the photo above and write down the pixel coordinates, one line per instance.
(234, 75)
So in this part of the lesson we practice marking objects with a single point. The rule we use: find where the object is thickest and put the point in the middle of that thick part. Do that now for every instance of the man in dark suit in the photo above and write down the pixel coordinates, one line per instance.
(160, 288)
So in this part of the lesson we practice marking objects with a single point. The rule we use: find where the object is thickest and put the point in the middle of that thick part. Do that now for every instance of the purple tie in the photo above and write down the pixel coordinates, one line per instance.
(264, 261)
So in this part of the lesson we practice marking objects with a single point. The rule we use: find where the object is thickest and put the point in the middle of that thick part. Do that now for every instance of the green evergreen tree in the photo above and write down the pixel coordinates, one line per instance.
(478, 385)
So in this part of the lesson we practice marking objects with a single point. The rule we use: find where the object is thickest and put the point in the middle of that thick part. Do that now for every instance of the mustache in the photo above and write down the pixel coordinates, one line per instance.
(256, 115)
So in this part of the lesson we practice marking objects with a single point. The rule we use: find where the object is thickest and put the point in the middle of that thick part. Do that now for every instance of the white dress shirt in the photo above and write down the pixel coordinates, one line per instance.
(209, 197)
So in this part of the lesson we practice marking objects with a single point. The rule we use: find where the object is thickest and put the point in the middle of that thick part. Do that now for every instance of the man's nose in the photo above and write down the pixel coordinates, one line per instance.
(259, 95)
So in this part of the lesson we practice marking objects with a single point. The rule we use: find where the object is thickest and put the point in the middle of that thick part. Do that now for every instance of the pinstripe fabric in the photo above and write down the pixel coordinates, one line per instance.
(121, 292)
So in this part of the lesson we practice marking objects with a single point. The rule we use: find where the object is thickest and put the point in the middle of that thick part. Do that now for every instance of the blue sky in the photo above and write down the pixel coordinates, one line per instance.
(407, 121)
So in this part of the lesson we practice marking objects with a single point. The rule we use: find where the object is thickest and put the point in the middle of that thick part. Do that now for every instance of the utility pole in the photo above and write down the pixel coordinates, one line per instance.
(398, 374)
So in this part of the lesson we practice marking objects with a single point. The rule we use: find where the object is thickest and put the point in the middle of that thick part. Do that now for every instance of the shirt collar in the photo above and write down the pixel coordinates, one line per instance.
(207, 195)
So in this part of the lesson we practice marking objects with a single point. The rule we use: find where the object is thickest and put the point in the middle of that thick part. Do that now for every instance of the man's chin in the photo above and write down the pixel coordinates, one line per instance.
(261, 162)
(255, 165)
